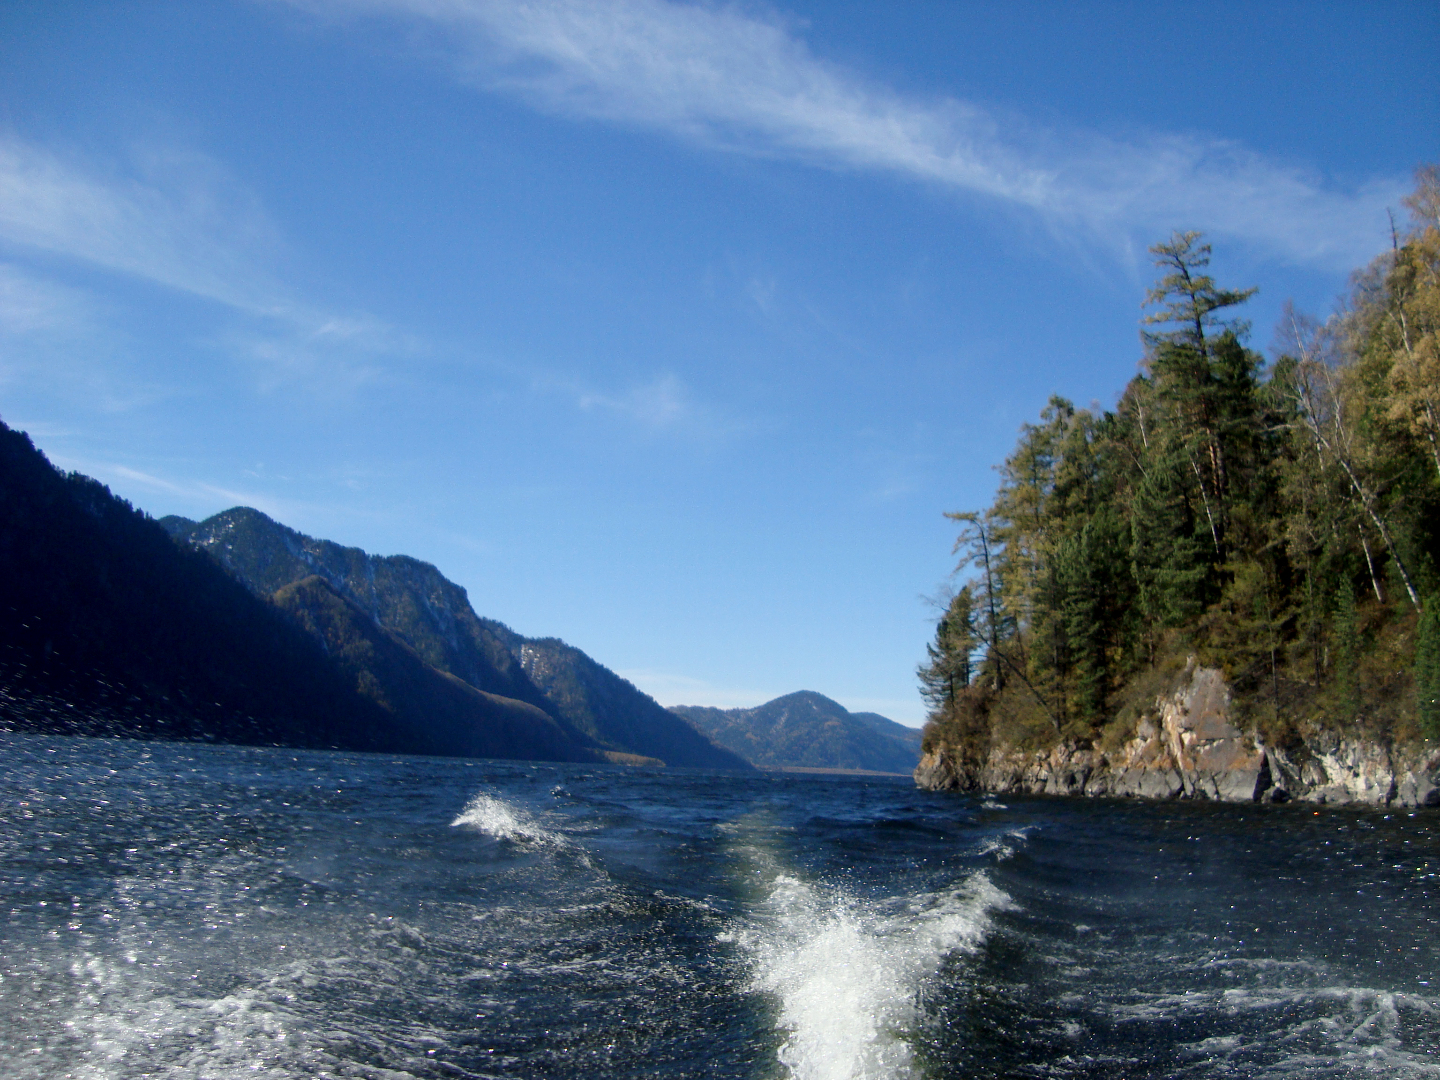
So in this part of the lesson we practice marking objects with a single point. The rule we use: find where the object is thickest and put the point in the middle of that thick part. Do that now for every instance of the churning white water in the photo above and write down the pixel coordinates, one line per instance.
(849, 973)
(497, 818)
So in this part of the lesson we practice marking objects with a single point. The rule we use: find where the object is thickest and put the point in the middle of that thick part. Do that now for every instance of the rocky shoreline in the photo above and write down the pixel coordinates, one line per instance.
(1189, 749)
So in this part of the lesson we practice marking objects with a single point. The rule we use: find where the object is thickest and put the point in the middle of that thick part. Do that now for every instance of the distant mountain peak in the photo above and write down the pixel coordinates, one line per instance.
(808, 697)
(806, 729)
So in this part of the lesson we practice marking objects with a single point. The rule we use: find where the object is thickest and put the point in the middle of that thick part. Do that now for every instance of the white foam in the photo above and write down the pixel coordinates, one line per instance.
(123, 1021)
(1326, 1031)
(499, 819)
(848, 973)
(1003, 847)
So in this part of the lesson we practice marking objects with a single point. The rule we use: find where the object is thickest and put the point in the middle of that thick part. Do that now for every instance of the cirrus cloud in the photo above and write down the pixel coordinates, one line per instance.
(178, 221)
(741, 82)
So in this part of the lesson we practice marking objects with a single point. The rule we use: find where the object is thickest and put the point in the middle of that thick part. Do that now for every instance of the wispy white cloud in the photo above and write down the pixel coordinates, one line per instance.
(661, 403)
(762, 293)
(29, 305)
(332, 357)
(732, 79)
(56, 336)
(191, 229)
(173, 219)
(193, 489)
(176, 220)
(200, 496)
(891, 465)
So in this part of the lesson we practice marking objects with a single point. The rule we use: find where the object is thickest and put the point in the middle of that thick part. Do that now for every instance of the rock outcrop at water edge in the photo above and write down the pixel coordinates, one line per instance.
(1190, 748)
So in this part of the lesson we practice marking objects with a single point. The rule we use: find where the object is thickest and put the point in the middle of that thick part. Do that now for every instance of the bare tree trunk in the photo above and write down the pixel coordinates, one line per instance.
(1370, 563)
(1205, 499)
(1327, 447)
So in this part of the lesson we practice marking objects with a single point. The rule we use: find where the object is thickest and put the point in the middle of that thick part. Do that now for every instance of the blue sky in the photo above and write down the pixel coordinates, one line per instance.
(668, 329)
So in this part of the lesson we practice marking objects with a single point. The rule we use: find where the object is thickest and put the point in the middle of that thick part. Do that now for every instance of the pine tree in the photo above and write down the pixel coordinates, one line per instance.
(979, 550)
(1092, 582)
(948, 671)
(1345, 635)
(1205, 381)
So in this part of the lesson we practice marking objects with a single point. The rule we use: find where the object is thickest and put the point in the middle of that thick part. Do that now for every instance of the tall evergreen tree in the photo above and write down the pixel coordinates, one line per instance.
(1202, 375)
(1227, 512)
(947, 670)
(1345, 638)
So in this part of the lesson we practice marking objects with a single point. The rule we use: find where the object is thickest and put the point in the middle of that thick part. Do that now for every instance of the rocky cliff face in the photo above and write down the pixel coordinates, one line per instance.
(1188, 748)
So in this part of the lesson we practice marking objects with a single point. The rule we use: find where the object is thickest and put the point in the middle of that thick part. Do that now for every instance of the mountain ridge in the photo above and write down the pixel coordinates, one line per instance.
(433, 616)
(806, 729)
(108, 628)
(111, 624)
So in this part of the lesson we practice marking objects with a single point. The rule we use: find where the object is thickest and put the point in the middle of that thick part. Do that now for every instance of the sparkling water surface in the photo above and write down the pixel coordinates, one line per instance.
(179, 910)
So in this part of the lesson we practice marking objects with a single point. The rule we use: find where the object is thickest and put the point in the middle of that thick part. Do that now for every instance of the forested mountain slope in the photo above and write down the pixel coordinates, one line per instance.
(108, 628)
(406, 596)
(436, 712)
(809, 730)
(432, 615)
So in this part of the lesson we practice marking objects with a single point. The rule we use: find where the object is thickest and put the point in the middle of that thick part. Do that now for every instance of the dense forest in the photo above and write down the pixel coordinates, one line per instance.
(1280, 521)
(356, 600)
(240, 630)
(107, 627)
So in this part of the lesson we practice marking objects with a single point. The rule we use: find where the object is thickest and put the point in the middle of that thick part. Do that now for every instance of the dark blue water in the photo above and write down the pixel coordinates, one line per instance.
(203, 911)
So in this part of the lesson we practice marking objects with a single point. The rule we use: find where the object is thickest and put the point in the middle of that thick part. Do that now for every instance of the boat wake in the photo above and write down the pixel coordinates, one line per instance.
(849, 974)
(1290, 1031)
(497, 818)
(501, 821)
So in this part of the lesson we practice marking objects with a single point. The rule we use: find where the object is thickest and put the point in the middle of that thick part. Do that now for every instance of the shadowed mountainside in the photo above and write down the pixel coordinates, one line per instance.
(436, 712)
(432, 615)
(406, 596)
(610, 709)
(808, 730)
(109, 628)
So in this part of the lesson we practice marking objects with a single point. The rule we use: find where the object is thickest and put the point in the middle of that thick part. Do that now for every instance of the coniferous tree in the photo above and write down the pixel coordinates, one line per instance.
(1089, 593)
(1203, 376)
(978, 549)
(1346, 638)
(947, 671)
(1255, 519)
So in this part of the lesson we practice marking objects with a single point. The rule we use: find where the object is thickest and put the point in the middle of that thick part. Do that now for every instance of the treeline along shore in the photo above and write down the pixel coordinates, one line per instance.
(1228, 586)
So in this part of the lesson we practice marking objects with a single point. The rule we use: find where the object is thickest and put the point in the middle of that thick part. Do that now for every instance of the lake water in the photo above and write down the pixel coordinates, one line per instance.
(206, 911)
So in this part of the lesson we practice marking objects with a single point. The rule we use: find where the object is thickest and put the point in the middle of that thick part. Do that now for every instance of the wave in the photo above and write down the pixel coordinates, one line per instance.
(1003, 846)
(122, 1019)
(1309, 1031)
(497, 818)
(849, 973)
